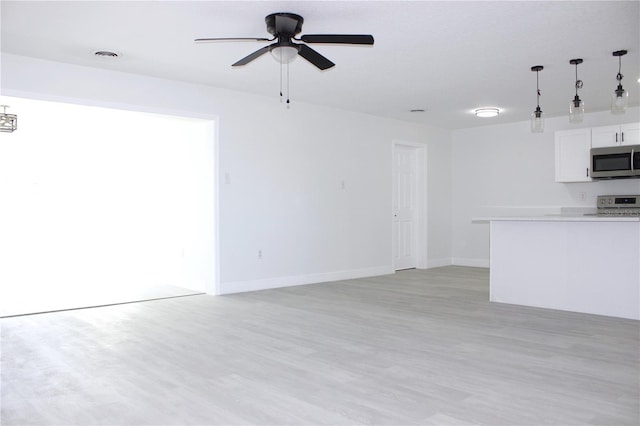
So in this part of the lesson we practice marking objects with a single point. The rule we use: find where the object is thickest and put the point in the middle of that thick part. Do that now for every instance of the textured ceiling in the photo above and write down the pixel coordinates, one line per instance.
(445, 57)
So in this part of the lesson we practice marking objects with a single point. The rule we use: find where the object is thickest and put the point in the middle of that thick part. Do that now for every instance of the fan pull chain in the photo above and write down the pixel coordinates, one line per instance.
(288, 102)
(280, 77)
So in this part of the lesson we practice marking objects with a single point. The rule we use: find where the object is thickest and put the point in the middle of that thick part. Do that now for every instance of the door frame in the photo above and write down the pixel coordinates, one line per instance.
(420, 230)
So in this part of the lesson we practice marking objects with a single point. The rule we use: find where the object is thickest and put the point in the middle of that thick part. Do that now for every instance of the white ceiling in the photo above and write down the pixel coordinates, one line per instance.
(446, 57)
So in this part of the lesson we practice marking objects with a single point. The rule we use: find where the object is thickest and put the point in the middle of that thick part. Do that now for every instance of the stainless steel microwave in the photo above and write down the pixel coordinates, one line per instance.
(615, 162)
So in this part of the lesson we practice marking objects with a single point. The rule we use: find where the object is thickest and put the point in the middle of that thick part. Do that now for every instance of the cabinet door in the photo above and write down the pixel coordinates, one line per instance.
(572, 155)
(605, 136)
(630, 134)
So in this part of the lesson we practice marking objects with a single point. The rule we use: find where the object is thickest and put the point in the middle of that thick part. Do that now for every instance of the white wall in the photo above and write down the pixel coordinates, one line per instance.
(280, 173)
(507, 169)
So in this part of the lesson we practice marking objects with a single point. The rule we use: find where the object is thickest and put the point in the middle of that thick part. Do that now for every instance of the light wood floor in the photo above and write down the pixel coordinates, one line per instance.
(417, 347)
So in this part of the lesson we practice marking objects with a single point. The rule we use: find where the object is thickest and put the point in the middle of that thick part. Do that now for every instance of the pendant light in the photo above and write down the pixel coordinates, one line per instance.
(537, 119)
(576, 106)
(620, 96)
(8, 122)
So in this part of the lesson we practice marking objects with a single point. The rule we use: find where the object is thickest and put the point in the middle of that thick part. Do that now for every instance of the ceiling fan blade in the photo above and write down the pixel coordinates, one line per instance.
(251, 57)
(314, 57)
(204, 40)
(338, 38)
(286, 25)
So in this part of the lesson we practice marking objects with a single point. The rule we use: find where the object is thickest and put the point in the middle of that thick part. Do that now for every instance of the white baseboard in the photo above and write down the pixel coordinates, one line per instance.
(478, 263)
(436, 263)
(267, 283)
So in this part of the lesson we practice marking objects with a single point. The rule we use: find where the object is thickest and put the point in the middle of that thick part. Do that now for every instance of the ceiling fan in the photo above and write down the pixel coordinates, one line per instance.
(284, 27)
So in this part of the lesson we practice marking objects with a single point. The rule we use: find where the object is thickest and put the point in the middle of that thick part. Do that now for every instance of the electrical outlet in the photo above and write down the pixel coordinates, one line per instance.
(583, 196)
(260, 254)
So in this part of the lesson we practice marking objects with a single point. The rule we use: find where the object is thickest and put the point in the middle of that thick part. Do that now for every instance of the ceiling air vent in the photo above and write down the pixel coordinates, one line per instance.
(106, 53)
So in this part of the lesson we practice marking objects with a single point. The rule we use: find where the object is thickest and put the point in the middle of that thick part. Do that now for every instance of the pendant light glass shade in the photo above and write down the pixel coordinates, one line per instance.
(620, 96)
(619, 100)
(537, 117)
(576, 106)
(576, 110)
(537, 121)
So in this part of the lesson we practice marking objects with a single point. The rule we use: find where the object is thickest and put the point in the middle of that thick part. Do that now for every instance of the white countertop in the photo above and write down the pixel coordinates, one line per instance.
(559, 218)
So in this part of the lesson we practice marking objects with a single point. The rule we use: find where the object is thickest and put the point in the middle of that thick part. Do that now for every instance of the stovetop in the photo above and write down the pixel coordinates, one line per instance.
(618, 205)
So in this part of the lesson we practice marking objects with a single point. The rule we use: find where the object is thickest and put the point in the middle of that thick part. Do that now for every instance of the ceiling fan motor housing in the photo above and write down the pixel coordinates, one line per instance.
(284, 24)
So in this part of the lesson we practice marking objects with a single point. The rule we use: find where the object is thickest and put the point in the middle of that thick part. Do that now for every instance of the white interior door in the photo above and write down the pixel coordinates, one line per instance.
(404, 207)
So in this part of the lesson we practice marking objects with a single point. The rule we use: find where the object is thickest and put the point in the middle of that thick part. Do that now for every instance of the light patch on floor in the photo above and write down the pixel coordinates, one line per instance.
(41, 298)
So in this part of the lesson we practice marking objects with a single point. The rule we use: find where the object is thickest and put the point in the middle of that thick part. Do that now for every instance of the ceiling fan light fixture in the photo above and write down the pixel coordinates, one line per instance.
(284, 54)
(487, 112)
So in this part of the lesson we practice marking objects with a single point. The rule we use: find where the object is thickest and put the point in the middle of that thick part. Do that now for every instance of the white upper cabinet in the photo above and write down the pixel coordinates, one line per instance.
(625, 134)
(573, 155)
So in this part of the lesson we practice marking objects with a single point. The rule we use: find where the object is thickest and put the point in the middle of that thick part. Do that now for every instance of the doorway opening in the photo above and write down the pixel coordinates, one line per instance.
(104, 206)
(409, 230)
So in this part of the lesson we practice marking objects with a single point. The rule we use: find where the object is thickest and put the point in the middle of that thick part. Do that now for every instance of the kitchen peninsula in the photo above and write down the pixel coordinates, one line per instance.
(584, 263)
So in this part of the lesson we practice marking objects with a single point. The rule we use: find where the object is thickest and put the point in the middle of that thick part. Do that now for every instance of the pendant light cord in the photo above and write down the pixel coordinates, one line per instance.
(578, 82)
(538, 89)
(619, 76)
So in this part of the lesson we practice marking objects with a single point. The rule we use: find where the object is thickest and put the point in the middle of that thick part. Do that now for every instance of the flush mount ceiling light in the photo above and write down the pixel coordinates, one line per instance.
(620, 96)
(537, 119)
(576, 106)
(487, 112)
(8, 122)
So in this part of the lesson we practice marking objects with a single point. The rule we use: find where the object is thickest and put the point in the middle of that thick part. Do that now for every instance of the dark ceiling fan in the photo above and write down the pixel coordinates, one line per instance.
(284, 27)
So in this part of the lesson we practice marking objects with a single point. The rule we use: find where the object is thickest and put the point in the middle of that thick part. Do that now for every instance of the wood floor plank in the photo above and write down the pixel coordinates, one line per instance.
(415, 347)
